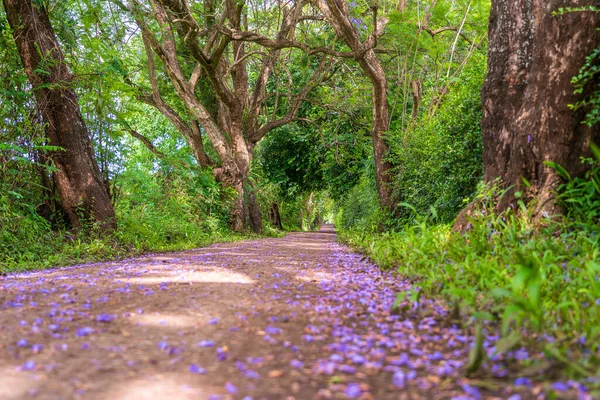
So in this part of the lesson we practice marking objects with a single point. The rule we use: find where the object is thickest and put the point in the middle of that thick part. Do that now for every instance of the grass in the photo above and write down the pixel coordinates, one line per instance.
(530, 280)
(27, 242)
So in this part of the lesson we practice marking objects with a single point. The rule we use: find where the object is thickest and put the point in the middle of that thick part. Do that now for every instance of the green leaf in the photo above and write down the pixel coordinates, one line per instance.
(508, 342)
(477, 353)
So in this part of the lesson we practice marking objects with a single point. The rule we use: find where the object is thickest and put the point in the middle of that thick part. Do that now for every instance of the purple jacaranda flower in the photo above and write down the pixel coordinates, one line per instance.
(163, 345)
(231, 388)
(402, 360)
(37, 348)
(23, 322)
(515, 397)
(296, 364)
(522, 381)
(399, 379)
(358, 359)
(206, 343)
(560, 386)
(85, 346)
(53, 327)
(28, 366)
(105, 318)
(84, 331)
(221, 354)
(213, 321)
(353, 390)
(251, 374)
(195, 369)
(22, 343)
(348, 369)
(471, 391)
(240, 366)
(271, 330)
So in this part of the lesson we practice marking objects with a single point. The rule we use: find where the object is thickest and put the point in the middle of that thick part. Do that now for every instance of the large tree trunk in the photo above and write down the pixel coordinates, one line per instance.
(381, 124)
(275, 216)
(80, 185)
(526, 118)
(532, 57)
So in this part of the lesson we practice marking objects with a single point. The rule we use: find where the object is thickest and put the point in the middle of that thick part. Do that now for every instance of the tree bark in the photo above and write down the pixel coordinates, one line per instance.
(526, 119)
(80, 184)
(275, 216)
(381, 124)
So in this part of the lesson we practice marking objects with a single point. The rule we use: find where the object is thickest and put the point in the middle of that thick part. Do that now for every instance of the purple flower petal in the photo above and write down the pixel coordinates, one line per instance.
(271, 330)
(399, 379)
(84, 331)
(231, 388)
(195, 369)
(105, 318)
(28, 366)
(353, 390)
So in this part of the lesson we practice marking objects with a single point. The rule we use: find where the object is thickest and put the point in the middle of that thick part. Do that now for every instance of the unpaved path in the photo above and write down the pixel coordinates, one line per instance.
(293, 318)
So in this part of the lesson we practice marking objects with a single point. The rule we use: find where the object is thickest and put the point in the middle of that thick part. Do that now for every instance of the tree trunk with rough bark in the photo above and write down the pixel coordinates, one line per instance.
(532, 58)
(381, 124)
(82, 191)
(275, 216)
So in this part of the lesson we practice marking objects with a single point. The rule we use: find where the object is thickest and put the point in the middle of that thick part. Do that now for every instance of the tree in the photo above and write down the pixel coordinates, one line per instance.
(210, 41)
(533, 54)
(83, 194)
(337, 14)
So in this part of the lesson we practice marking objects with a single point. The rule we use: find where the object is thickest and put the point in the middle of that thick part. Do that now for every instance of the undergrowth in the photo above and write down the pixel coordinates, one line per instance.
(154, 213)
(538, 281)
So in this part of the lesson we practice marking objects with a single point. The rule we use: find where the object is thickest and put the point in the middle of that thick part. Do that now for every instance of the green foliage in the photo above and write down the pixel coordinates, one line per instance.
(360, 208)
(156, 211)
(438, 159)
(580, 196)
(588, 82)
(506, 270)
(291, 157)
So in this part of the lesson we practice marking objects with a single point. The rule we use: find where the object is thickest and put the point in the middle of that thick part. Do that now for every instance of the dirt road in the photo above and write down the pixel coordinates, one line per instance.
(300, 317)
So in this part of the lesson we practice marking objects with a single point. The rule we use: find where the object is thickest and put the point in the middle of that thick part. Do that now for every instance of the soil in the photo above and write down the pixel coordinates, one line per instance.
(300, 317)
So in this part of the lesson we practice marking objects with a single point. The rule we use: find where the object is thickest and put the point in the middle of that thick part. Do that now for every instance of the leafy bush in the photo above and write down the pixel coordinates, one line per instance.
(360, 208)
(156, 211)
(508, 269)
(580, 196)
(438, 159)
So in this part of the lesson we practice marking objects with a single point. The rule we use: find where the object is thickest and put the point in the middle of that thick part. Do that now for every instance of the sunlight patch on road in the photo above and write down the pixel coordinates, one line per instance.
(211, 276)
(159, 387)
(16, 385)
(170, 320)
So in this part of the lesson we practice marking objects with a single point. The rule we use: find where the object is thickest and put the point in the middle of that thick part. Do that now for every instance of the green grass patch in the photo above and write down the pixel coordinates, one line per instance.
(533, 281)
